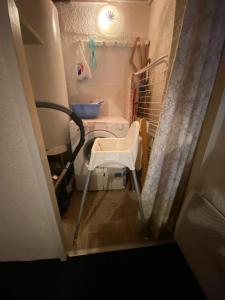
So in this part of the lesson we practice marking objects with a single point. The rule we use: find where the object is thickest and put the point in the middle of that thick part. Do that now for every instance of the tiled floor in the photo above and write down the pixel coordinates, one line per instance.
(110, 219)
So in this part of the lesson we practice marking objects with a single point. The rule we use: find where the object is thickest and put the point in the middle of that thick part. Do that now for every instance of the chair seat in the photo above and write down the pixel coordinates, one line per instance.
(111, 144)
(111, 152)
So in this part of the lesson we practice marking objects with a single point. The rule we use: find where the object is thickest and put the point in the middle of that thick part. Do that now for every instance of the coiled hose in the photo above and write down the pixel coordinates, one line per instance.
(73, 116)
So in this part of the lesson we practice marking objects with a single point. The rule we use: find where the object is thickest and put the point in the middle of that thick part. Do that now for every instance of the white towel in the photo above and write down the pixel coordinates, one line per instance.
(83, 70)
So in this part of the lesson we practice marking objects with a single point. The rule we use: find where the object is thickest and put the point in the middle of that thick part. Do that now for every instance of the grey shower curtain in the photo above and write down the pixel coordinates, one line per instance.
(185, 104)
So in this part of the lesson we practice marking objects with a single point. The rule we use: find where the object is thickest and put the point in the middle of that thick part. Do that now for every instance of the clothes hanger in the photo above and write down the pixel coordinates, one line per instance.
(137, 46)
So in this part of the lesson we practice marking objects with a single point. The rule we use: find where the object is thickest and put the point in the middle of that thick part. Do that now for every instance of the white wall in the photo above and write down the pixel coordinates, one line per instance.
(110, 79)
(160, 34)
(161, 26)
(28, 218)
(46, 68)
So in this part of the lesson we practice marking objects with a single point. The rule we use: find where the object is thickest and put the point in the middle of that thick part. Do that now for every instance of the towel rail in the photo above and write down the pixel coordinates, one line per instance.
(162, 59)
(147, 78)
(148, 102)
(148, 108)
(111, 43)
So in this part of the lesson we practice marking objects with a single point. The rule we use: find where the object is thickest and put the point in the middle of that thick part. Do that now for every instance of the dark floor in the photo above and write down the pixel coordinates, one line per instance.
(158, 272)
(110, 218)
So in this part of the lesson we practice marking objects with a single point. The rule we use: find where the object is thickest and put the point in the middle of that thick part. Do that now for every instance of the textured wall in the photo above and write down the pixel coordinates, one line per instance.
(81, 19)
(109, 82)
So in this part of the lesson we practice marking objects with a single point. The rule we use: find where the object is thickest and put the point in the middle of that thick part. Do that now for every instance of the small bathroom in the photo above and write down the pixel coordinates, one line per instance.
(88, 52)
(112, 117)
(112, 63)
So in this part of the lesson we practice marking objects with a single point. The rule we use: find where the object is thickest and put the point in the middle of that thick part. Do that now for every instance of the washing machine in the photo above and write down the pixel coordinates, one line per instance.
(101, 178)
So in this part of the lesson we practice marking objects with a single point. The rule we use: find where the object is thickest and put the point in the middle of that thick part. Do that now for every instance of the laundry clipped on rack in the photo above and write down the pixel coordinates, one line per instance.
(83, 70)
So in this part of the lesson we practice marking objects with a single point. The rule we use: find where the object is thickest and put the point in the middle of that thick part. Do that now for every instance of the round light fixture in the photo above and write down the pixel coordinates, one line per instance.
(109, 21)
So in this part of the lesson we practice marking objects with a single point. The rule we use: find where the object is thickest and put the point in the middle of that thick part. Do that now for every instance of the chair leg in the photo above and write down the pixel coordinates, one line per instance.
(82, 205)
(137, 190)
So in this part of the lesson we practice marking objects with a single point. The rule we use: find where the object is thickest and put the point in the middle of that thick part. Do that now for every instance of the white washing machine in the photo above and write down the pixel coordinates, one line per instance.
(101, 178)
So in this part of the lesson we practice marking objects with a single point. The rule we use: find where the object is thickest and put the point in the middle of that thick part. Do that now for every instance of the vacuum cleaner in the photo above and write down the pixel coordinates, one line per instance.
(62, 193)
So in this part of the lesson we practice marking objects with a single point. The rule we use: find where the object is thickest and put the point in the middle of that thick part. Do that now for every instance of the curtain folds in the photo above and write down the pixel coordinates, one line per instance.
(185, 104)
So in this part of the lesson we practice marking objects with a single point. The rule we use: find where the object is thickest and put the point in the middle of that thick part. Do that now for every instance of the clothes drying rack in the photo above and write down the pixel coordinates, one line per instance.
(150, 84)
(148, 93)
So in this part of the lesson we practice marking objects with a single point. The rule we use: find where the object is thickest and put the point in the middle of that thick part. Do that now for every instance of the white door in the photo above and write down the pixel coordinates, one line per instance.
(200, 230)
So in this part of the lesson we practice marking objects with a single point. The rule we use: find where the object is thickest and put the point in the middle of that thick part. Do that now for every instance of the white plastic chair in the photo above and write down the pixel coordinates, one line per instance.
(114, 152)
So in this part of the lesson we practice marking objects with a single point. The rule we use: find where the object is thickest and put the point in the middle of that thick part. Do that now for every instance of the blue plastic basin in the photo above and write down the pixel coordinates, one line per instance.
(87, 110)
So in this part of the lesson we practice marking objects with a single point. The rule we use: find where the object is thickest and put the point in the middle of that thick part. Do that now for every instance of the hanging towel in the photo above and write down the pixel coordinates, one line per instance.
(92, 47)
(83, 70)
